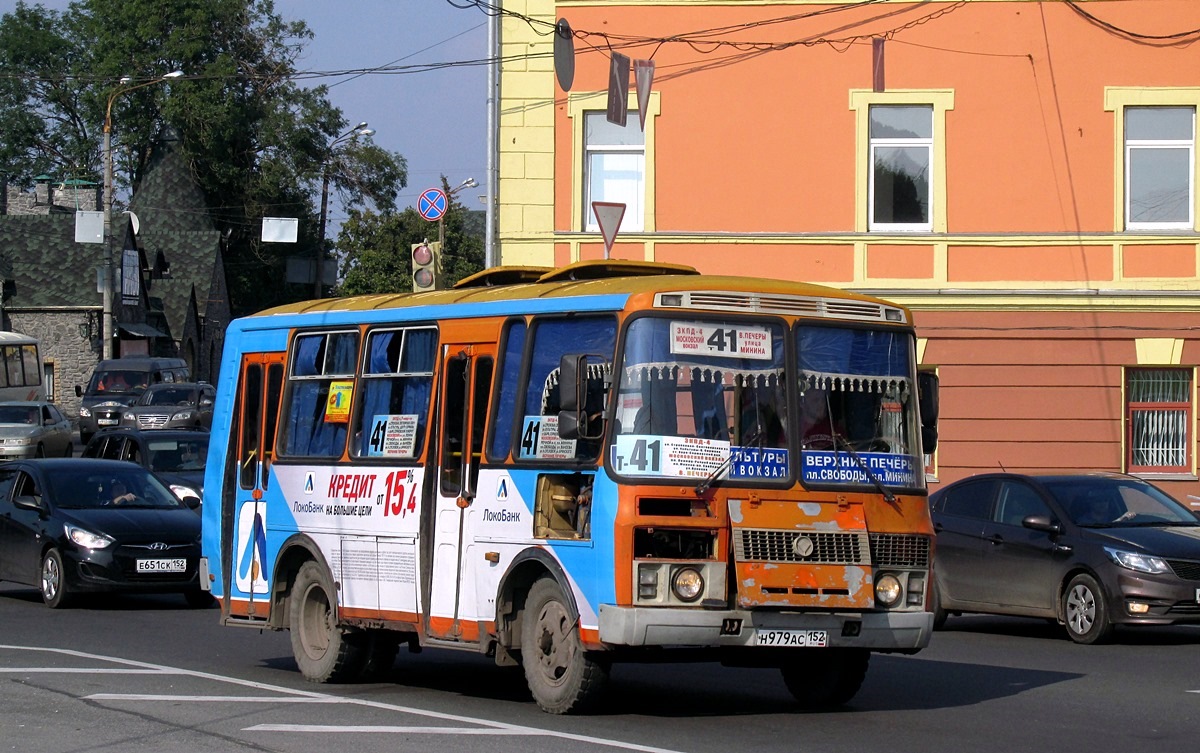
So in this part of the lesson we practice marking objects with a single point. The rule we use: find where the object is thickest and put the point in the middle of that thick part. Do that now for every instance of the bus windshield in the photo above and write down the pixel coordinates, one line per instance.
(701, 398)
(694, 392)
(858, 408)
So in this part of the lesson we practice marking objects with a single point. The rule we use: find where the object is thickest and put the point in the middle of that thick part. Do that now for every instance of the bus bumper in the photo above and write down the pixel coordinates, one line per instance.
(878, 631)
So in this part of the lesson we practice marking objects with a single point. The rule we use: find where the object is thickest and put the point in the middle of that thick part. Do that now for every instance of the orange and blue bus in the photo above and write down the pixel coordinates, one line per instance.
(563, 468)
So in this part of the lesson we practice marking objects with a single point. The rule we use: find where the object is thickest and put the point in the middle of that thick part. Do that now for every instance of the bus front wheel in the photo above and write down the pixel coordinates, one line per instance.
(825, 678)
(562, 676)
(324, 651)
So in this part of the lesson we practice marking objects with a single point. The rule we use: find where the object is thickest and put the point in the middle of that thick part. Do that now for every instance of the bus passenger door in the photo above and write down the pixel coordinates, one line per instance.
(244, 509)
(466, 388)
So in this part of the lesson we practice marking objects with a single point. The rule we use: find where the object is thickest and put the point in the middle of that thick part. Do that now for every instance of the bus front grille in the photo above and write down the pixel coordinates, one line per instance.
(899, 550)
(810, 547)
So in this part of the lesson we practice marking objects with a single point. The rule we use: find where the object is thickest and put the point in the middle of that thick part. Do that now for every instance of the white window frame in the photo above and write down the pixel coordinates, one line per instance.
(634, 197)
(877, 143)
(582, 217)
(1185, 145)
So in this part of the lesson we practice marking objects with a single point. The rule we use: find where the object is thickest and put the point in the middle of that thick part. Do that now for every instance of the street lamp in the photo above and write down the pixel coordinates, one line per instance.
(358, 130)
(468, 183)
(107, 328)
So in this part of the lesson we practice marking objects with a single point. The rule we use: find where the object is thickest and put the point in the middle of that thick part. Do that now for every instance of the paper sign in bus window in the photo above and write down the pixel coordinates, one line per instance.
(393, 436)
(337, 405)
(732, 341)
(539, 439)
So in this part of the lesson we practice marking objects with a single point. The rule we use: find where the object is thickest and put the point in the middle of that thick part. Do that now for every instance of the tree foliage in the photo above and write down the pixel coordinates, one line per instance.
(259, 143)
(376, 248)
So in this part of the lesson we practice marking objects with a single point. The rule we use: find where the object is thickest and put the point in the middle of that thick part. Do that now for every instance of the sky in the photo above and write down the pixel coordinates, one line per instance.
(436, 119)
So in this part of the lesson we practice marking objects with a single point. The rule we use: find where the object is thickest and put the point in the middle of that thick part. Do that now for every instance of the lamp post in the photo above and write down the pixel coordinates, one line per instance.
(468, 183)
(107, 328)
(358, 130)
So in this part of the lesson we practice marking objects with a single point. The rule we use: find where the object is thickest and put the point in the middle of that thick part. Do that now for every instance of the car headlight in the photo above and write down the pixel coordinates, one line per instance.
(687, 583)
(1142, 563)
(86, 538)
(184, 415)
(18, 441)
(127, 415)
(888, 590)
(84, 412)
(183, 490)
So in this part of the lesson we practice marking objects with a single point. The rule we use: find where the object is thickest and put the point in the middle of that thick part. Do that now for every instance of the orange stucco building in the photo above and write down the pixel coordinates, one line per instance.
(1022, 174)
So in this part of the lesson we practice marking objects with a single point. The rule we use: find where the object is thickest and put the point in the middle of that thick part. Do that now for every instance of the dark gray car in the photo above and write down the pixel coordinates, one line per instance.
(176, 456)
(1090, 550)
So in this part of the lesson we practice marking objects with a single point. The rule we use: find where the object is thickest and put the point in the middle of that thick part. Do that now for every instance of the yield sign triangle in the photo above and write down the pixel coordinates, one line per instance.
(608, 217)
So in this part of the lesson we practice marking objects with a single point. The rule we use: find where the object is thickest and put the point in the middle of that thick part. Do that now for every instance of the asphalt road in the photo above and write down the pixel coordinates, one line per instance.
(149, 674)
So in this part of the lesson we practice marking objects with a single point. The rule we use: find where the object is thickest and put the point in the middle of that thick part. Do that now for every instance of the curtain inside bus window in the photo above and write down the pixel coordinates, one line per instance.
(16, 377)
(552, 339)
(251, 400)
(318, 361)
(33, 369)
(396, 388)
(510, 372)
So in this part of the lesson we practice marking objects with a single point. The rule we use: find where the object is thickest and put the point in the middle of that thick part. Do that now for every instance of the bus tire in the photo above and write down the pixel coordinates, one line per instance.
(381, 650)
(324, 651)
(825, 678)
(562, 676)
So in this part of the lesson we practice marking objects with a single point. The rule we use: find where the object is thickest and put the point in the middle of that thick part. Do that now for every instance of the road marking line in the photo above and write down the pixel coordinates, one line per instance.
(82, 671)
(491, 727)
(388, 729)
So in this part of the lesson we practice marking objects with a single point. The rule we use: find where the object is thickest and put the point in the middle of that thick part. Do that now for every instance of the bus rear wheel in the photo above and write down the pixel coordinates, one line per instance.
(562, 676)
(324, 651)
(825, 678)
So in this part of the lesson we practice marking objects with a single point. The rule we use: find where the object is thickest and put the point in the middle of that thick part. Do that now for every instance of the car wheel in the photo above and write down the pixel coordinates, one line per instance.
(324, 651)
(827, 677)
(40, 452)
(55, 591)
(1086, 611)
(562, 676)
(70, 453)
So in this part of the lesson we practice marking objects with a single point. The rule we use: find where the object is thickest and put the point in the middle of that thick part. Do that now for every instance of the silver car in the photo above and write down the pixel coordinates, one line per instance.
(178, 405)
(34, 429)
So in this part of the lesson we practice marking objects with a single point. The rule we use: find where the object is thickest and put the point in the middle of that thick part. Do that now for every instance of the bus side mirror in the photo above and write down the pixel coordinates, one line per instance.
(928, 399)
(573, 399)
(78, 391)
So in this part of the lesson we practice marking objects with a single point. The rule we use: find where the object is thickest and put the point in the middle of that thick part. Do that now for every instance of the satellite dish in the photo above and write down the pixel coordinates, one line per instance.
(564, 54)
(133, 219)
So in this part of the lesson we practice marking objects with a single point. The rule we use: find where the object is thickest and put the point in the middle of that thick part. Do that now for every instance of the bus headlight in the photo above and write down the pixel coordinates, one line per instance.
(888, 590)
(687, 584)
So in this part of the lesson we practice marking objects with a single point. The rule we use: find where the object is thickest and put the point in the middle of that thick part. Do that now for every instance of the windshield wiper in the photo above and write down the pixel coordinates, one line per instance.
(702, 488)
(840, 442)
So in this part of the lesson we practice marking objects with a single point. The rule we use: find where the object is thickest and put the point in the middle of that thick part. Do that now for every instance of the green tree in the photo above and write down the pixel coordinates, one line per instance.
(260, 145)
(376, 248)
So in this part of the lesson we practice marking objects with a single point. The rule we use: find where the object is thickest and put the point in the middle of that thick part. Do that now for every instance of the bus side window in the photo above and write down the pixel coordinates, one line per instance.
(510, 374)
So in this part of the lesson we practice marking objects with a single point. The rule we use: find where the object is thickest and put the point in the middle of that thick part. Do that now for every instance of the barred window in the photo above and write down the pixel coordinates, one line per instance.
(1159, 419)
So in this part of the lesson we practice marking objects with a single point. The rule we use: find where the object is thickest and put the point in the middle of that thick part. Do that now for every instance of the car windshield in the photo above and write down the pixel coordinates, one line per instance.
(169, 396)
(117, 382)
(1107, 502)
(76, 490)
(178, 454)
(18, 414)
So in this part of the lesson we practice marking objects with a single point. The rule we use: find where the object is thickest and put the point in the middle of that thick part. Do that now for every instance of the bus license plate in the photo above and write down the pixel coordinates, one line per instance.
(162, 566)
(793, 638)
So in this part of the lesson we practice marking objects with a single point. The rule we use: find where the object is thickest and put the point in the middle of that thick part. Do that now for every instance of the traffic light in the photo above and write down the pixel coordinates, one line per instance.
(427, 266)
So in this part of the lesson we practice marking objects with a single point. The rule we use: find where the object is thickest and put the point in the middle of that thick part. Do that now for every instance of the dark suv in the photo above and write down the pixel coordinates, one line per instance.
(176, 456)
(177, 405)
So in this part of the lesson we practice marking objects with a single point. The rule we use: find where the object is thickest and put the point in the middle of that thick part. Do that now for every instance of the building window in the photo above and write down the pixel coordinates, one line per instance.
(614, 168)
(1160, 147)
(901, 138)
(1159, 420)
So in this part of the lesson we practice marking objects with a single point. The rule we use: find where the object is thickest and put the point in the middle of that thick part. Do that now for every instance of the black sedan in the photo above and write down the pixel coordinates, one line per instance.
(176, 456)
(1090, 550)
(70, 526)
